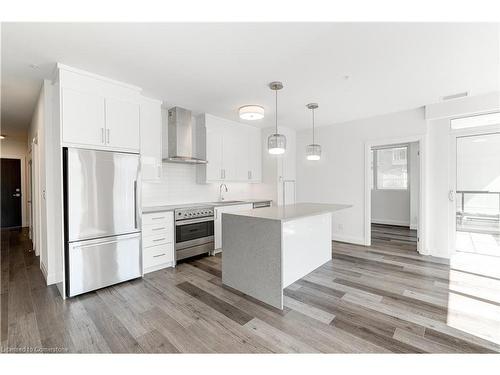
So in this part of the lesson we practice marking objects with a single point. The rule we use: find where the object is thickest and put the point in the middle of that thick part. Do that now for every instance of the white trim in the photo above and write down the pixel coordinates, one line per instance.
(157, 267)
(391, 222)
(348, 239)
(49, 278)
(414, 226)
(97, 76)
(422, 247)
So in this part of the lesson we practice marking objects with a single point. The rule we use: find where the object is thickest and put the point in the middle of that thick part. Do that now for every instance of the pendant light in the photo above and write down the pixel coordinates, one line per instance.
(313, 151)
(276, 143)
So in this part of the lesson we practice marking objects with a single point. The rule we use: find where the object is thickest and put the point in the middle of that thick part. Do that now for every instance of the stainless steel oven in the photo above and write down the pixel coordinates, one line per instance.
(194, 231)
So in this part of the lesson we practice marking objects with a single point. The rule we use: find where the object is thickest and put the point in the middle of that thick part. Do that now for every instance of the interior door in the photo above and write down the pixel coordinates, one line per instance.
(11, 192)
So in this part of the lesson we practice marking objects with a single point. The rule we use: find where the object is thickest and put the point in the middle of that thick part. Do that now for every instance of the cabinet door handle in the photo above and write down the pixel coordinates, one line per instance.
(158, 218)
(159, 255)
(107, 136)
(161, 228)
(102, 135)
(159, 239)
(249, 175)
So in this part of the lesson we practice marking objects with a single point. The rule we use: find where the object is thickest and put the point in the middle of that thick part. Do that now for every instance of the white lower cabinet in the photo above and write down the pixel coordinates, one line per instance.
(218, 220)
(157, 241)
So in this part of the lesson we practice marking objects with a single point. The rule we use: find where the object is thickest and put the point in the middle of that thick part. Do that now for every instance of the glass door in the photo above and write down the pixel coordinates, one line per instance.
(477, 193)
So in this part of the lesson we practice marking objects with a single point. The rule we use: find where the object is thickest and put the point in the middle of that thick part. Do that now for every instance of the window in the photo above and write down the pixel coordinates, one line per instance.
(390, 168)
(475, 121)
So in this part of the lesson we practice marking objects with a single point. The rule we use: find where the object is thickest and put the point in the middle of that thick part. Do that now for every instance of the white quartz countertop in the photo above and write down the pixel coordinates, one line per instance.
(292, 211)
(172, 207)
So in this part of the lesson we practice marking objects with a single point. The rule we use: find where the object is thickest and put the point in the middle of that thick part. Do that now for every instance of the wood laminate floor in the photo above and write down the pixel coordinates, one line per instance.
(394, 234)
(378, 299)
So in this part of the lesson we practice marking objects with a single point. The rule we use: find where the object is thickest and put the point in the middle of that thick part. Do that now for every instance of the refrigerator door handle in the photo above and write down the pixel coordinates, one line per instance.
(135, 204)
(93, 244)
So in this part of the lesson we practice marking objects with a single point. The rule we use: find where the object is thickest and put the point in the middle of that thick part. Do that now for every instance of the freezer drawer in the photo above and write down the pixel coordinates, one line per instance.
(95, 264)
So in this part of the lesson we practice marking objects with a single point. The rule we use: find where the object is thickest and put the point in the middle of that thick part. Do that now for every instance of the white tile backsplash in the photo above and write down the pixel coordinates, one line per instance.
(178, 185)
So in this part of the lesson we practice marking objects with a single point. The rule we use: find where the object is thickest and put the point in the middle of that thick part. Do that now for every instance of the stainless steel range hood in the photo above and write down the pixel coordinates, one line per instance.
(182, 136)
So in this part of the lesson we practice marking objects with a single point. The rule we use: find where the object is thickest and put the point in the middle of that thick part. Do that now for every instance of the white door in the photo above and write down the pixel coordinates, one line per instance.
(82, 118)
(123, 125)
(214, 155)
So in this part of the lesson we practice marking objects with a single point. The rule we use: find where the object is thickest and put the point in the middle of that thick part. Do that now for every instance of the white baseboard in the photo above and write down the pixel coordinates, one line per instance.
(348, 239)
(157, 267)
(391, 222)
(50, 278)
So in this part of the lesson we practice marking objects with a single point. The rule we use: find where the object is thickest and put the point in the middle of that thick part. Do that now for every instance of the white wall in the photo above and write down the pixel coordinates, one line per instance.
(17, 149)
(391, 207)
(339, 176)
(46, 193)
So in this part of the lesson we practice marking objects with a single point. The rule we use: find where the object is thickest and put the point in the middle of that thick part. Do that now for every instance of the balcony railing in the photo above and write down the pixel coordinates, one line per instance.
(478, 211)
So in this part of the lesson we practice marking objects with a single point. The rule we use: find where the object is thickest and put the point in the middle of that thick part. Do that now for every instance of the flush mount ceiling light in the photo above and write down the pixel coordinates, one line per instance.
(276, 143)
(2, 136)
(313, 151)
(251, 112)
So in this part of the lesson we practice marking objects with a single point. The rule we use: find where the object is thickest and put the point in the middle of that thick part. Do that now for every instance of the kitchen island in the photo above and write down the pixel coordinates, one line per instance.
(267, 249)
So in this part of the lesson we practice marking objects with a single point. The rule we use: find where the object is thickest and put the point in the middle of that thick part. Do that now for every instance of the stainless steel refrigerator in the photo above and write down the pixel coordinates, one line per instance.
(102, 219)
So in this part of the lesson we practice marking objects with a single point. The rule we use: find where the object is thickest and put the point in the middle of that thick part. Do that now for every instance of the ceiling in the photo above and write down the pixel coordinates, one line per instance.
(353, 70)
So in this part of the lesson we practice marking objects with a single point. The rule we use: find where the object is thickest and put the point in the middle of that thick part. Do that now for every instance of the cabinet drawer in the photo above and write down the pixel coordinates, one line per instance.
(157, 255)
(159, 218)
(157, 239)
(157, 229)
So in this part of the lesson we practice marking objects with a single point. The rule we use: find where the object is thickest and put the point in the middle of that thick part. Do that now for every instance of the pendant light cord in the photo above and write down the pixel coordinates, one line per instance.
(276, 114)
(313, 124)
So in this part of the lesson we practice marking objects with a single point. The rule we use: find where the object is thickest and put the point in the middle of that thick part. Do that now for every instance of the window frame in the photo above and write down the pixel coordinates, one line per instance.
(374, 158)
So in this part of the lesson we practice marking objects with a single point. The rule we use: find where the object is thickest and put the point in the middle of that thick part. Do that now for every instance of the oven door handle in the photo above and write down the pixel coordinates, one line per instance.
(193, 221)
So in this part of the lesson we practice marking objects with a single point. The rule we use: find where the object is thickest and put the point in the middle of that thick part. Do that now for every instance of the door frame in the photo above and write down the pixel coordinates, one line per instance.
(422, 248)
(452, 178)
(22, 159)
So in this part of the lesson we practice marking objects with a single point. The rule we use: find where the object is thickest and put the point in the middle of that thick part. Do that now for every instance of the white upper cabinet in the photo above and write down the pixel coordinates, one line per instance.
(122, 125)
(233, 151)
(254, 155)
(97, 112)
(214, 169)
(151, 138)
(83, 118)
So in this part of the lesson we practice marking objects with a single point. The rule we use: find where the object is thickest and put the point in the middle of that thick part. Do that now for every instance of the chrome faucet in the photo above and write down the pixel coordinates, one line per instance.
(221, 198)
